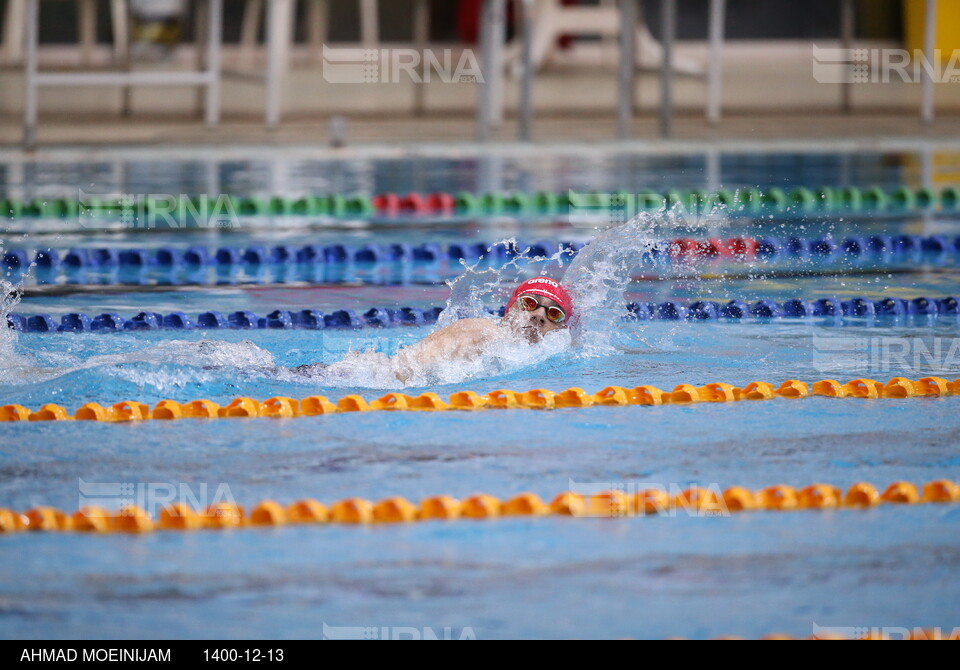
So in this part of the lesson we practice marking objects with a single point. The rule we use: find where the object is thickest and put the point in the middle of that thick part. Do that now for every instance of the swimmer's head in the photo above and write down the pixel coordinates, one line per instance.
(538, 306)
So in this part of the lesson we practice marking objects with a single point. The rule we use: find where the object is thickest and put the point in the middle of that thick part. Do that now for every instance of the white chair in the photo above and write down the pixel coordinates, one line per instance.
(317, 13)
(14, 21)
(553, 19)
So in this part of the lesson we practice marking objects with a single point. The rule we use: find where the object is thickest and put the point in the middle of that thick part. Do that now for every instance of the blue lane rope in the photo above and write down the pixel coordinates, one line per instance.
(170, 257)
(931, 309)
(197, 256)
(343, 319)
(798, 308)
(338, 263)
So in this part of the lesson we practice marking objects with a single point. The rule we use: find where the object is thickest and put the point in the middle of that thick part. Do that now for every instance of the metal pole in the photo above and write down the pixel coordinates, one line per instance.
(715, 65)
(279, 19)
(421, 36)
(628, 68)
(139, 78)
(214, 40)
(120, 18)
(369, 24)
(13, 32)
(201, 16)
(526, 76)
(669, 29)
(491, 40)
(252, 11)
(318, 13)
(499, 46)
(87, 29)
(846, 42)
(929, 46)
(30, 75)
(484, 103)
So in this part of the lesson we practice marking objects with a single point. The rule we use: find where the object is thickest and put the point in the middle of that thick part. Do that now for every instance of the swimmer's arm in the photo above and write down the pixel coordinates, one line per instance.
(462, 334)
(462, 340)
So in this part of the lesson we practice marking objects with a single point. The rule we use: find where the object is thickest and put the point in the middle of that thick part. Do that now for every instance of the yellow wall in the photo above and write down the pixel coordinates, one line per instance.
(948, 24)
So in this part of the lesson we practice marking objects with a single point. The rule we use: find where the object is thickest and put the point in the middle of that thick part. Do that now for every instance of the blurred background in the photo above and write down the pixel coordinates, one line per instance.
(273, 86)
(192, 193)
(451, 19)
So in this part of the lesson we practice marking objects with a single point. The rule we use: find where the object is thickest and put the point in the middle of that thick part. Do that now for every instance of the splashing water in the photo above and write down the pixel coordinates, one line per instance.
(9, 297)
(597, 278)
(475, 287)
(195, 362)
(470, 292)
(204, 354)
(12, 363)
(371, 369)
(171, 364)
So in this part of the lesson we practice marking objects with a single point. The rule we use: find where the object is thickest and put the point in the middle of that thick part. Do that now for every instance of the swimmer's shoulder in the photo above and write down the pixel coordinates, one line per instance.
(464, 330)
(477, 326)
(477, 323)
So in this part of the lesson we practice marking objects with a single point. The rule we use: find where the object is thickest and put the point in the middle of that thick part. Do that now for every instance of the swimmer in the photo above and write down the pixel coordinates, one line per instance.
(537, 307)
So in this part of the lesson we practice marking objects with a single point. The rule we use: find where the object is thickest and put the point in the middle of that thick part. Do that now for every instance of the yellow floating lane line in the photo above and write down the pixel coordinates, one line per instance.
(542, 399)
(396, 509)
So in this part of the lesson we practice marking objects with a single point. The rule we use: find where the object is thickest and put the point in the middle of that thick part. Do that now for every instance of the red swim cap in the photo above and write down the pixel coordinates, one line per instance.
(548, 288)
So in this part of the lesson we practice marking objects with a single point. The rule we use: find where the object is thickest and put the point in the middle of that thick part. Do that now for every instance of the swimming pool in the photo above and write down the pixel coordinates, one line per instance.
(651, 576)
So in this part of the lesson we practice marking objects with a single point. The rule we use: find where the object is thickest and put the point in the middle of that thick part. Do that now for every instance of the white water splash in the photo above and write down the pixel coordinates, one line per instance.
(372, 369)
(14, 366)
(202, 354)
(196, 362)
(477, 286)
(599, 276)
(597, 279)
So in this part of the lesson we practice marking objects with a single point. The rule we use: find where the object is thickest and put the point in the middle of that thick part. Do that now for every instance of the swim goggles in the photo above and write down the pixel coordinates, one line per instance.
(530, 304)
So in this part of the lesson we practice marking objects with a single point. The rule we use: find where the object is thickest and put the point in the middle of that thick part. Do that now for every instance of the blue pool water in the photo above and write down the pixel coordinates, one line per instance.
(267, 171)
(746, 574)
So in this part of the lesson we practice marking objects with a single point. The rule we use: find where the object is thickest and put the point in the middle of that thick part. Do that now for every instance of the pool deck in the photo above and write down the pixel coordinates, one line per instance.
(769, 96)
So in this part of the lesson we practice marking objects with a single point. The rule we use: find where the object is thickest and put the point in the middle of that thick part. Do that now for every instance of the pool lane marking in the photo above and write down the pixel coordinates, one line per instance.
(695, 501)
(684, 394)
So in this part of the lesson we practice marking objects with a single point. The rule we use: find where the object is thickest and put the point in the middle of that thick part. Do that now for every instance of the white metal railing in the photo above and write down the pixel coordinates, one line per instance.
(281, 15)
(208, 77)
(13, 33)
(490, 106)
